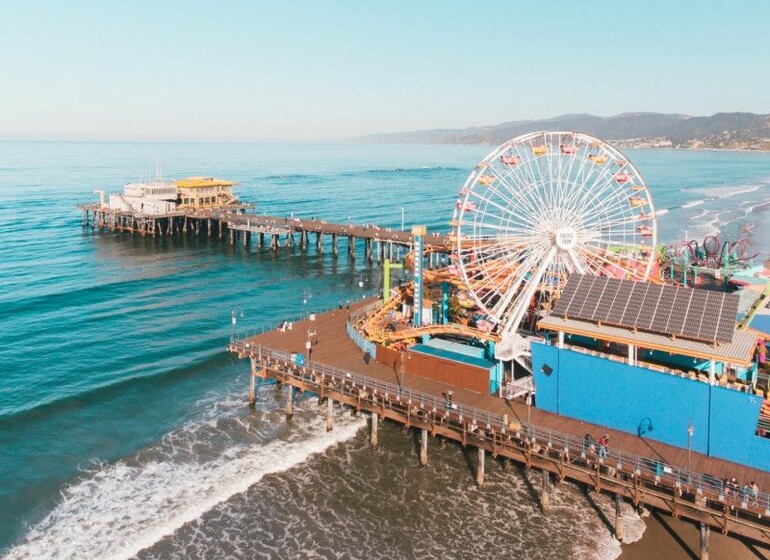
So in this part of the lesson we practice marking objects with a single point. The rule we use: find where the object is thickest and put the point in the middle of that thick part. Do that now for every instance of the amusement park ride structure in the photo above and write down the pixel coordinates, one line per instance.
(536, 209)
(682, 261)
(540, 207)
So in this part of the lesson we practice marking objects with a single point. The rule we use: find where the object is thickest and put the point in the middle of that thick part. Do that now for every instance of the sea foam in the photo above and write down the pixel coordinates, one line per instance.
(120, 509)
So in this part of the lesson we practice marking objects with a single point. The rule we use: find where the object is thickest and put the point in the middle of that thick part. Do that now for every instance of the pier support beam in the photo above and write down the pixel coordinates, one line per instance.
(252, 383)
(261, 240)
(329, 409)
(480, 468)
(290, 402)
(424, 448)
(373, 435)
(619, 529)
(368, 249)
(704, 541)
(335, 250)
(351, 247)
(545, 497)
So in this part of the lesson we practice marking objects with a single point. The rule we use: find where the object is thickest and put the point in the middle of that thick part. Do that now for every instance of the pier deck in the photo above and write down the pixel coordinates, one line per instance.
(337, 371)
(238, 224)
(336, 349)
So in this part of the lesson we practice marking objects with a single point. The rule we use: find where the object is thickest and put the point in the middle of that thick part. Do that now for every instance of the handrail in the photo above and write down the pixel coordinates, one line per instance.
(677, 479)
(246, 333)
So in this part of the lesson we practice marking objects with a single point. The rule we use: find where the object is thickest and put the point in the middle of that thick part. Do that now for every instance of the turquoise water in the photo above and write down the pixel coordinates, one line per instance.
(114, 377)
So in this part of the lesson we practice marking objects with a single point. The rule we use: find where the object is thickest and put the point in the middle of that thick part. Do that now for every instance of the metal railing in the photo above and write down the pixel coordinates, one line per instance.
(656, 474)
(250, 332)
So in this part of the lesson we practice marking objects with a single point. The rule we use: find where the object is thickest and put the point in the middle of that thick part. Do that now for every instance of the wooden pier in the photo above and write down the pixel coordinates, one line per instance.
(236, 225)
(634, 469)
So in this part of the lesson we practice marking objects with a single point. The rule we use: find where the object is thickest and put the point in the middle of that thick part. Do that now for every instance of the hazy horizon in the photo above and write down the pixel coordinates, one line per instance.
(318, 72)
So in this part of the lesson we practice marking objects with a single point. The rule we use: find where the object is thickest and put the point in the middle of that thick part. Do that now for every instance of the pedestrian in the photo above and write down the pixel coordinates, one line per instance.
(754, 493)
(603, 442)
(367, 357)
(589, 445)
(745, 493)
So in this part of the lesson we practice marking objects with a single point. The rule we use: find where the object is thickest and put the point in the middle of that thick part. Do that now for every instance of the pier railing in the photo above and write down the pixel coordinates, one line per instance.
(246, 333)
(656, 475)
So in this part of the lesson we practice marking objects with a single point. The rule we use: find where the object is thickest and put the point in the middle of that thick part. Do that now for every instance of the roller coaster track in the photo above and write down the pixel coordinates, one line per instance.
(449, 328)
(759, 302)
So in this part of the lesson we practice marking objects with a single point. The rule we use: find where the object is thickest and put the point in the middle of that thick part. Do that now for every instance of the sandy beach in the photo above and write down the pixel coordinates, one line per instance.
(666, 538)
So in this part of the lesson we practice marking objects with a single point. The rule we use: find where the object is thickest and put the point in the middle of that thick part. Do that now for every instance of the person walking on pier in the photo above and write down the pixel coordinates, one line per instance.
(589, 444)
(603, 443)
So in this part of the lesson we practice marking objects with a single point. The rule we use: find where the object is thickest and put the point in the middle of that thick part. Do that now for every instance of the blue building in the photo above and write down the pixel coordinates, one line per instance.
(654, 366)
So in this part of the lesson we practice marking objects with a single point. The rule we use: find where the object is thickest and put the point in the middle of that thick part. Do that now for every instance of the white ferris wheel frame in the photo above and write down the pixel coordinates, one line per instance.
(564, 202)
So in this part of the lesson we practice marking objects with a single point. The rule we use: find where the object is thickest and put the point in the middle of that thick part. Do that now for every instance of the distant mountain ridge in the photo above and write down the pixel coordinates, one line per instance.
(727, 131)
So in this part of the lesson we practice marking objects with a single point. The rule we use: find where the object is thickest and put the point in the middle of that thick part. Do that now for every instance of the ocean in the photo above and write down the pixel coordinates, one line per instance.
(124, 428)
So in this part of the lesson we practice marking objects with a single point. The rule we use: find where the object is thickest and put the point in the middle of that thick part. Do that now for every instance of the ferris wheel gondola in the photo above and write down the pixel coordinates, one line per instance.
(542, 206)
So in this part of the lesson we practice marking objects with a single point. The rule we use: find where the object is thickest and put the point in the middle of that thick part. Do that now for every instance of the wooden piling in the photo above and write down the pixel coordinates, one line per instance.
(329, 409)
(252, 383)
(480, 468)
(619, 529)
(545, 498)
(704, 541)
(373, 435)
(290, 401)
(424, 448)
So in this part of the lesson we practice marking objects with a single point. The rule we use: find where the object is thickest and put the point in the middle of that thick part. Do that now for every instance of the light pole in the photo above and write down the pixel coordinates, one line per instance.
(402, 218)
(306, 295)
(690, 432)
(529, 411)
(234, 321)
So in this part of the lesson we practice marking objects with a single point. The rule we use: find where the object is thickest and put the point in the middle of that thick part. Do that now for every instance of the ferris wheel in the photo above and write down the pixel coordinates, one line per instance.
(540, 207)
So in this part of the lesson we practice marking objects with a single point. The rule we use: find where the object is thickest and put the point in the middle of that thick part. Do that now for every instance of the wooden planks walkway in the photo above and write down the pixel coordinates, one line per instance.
(334, 348)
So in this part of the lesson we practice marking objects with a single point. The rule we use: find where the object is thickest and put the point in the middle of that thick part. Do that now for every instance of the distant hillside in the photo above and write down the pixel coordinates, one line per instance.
(736, 131)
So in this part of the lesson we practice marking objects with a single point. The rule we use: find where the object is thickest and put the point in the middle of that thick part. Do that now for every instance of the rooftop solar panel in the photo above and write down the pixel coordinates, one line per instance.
(677, 311)
(648, 307)
(678, 316)
(663, 311)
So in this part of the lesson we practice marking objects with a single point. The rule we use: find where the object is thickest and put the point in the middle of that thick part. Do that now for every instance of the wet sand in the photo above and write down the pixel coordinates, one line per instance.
(666, 538)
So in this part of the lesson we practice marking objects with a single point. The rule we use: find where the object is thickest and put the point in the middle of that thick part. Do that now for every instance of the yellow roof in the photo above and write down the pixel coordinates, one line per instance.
(199, 182)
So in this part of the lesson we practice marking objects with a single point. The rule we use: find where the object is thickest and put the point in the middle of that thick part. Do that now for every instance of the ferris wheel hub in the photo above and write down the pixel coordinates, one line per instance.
(565, 238)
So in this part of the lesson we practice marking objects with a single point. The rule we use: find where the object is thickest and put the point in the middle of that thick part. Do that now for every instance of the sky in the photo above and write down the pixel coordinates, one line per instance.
(322, 70)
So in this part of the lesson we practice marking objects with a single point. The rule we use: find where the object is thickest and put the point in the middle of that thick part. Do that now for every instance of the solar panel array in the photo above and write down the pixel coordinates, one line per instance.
(672, 310)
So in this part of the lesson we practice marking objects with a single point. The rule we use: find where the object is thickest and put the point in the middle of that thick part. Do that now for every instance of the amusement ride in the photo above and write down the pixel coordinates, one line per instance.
(544, 205)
